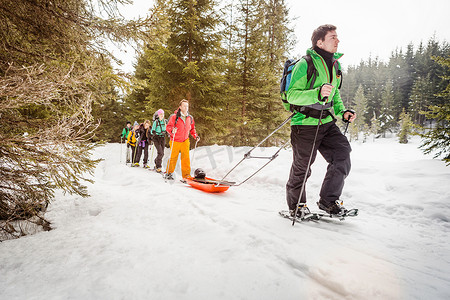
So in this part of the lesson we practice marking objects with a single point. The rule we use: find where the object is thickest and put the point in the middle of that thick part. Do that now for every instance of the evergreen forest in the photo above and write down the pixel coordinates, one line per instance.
(228, 61)
(60, 97)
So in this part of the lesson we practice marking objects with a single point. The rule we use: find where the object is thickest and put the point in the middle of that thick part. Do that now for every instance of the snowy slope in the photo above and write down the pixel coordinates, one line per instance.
(138, 237)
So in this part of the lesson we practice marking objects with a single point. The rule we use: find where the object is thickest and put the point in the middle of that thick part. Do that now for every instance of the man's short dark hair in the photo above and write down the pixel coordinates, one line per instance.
(320, 33)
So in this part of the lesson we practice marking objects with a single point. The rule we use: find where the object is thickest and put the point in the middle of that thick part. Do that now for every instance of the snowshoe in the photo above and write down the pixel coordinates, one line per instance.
(303, 215)
(302, 211)
(333, 211)
(336, 208)
(168, 176)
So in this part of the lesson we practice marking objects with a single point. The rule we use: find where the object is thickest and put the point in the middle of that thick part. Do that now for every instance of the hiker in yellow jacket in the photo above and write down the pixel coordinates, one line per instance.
(131, 140)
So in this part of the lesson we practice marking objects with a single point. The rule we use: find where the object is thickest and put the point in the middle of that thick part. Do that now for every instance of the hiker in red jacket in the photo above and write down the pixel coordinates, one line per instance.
(180, 125)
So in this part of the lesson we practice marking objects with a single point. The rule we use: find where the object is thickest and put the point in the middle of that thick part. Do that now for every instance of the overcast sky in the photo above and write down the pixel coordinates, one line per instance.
(365, 28)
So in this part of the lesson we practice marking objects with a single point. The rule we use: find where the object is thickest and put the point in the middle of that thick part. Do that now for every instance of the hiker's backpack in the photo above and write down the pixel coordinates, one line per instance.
(311, 74)
(287, 74)
(131, 139)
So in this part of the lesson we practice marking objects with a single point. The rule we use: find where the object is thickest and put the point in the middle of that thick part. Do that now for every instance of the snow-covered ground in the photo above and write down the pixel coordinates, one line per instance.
(138, 237)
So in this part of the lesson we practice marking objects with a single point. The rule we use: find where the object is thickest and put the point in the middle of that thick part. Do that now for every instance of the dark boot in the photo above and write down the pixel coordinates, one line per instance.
(302, 211)
(336, 208)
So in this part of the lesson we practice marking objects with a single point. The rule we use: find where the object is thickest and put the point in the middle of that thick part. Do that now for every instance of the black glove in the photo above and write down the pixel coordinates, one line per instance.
(350, 111)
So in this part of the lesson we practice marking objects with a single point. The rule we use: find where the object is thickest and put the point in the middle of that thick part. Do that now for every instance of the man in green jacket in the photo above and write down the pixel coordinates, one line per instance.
(126, 130)
(314, 124)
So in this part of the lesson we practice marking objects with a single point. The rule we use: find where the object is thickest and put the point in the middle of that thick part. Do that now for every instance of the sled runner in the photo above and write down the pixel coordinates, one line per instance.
(208, 185)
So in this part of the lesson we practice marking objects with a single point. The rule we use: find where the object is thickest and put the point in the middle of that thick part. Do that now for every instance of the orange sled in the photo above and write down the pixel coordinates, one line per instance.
(209, 185)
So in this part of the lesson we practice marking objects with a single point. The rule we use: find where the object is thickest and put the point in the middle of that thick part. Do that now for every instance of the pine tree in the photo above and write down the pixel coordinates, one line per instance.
(360, 109)
(186, 66)
(349, 85)
(353, 131)
(279, 42)
(231, 79)
(400, 82)
(374, 80)
(249, 48)
(374, 127)
(387, 113)
(54, 67)
(437, 140)
(405, 127)
(421, 97)
(259, 40)
(111, 114)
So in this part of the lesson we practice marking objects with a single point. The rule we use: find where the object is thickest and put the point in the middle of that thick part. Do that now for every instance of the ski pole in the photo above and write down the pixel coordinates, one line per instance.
(136, 147)
(128, 156)
(348, 120)
(171, 149)
(307, 168)
(121, 149)
(346, 127)
(153, 148)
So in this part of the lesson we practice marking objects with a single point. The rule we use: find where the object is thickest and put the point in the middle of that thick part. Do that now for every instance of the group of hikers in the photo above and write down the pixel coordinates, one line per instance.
(312, 94)
(140, 137)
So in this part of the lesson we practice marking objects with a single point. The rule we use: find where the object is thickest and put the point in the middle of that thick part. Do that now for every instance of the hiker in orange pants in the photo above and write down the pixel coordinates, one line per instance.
(180, 125)
(177, 148)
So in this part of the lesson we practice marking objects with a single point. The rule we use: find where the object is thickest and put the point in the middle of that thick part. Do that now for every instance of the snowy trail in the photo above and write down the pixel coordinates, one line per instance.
(138, 237)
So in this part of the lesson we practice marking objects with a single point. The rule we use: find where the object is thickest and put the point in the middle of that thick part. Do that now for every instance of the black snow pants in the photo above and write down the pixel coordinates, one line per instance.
(141, 149)
(159, 141)
(333, 146)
